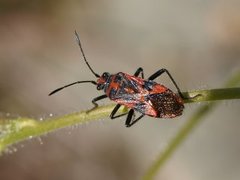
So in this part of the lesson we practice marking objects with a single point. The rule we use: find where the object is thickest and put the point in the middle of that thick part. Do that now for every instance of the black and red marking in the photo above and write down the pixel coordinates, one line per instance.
(144, 96)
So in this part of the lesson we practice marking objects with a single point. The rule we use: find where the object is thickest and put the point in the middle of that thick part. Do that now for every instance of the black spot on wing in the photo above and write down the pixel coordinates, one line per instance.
(118, 78)
(140, 107)
(149, 85)
(112, 93)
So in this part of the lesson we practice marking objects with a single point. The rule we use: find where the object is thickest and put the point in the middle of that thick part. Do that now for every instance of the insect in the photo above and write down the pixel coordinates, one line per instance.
(144, 96)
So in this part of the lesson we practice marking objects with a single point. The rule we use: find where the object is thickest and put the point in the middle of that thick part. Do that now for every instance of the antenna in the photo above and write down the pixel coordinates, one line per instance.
(84, 57)
(78, 82)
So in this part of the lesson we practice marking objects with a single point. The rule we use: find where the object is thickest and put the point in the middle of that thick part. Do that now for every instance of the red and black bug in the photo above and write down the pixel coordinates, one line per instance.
(144, 96)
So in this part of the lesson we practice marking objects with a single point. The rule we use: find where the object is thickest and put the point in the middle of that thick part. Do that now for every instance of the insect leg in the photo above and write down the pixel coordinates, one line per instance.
(161, 71)
(112, 115)
(139, 70)
(129, 121)
(97, 99)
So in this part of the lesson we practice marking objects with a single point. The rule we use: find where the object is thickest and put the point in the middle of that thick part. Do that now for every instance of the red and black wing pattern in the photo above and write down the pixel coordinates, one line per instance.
(146, 97)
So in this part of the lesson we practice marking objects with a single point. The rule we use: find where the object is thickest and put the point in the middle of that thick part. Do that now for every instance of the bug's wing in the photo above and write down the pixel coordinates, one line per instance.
(129, 90)
(167, 104)
(146, 97)
(133, 94)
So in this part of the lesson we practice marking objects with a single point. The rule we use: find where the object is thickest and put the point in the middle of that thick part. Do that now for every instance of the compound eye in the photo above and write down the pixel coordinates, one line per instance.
(100, 87)
(105, 75)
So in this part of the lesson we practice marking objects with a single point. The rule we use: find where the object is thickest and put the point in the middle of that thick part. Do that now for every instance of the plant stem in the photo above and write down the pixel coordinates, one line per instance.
(15, 130)
(211, 95)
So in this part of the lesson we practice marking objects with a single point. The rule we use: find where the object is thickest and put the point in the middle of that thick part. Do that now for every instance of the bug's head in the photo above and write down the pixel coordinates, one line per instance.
(102, 80)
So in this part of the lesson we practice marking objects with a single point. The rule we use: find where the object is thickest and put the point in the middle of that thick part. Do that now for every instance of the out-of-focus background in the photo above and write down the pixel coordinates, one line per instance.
(197, 41)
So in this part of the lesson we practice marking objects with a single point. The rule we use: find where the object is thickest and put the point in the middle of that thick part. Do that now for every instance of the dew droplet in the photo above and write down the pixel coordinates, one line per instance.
(40, 140)
(50, 114)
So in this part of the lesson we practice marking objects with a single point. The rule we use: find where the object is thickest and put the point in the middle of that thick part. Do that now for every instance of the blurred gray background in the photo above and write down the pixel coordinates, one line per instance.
(197, 41)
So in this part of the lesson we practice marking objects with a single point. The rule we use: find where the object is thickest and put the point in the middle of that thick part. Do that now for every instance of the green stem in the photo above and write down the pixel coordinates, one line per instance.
(15, 130)
(197, 117)
(212, 95)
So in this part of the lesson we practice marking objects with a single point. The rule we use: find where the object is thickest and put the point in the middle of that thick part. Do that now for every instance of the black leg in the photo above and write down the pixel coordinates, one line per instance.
(112, 115)
(136, 120)
(130, 118)
(97, 99)
(139, 70)
(161, 71)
